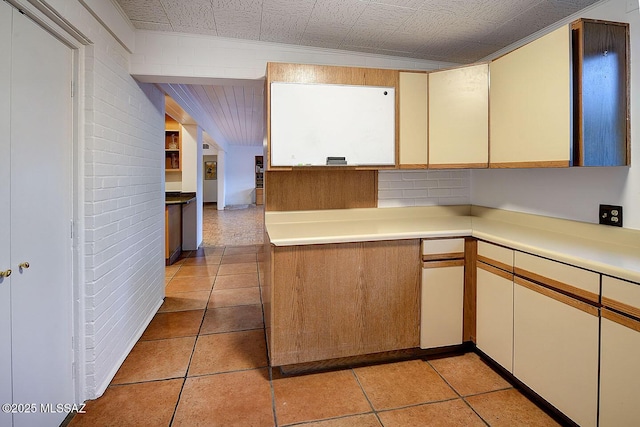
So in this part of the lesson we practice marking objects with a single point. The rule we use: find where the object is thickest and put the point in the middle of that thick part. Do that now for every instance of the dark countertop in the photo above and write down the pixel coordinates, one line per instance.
(177, 198)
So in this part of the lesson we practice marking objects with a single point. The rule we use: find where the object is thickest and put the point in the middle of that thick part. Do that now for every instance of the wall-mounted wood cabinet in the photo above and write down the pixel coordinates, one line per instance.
(601, 84)
(172, 145)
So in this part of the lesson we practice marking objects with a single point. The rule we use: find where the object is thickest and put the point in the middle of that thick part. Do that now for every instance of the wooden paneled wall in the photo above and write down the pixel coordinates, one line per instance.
(320, 189)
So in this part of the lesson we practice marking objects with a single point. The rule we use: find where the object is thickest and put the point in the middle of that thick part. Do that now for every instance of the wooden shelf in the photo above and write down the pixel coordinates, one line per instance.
(172, 146)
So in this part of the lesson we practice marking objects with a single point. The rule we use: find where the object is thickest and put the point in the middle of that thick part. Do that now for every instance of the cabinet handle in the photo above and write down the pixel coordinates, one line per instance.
(23, 265)
(6, 273)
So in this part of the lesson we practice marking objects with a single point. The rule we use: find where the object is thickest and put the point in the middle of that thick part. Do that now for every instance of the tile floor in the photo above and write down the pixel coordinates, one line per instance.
(202, 362)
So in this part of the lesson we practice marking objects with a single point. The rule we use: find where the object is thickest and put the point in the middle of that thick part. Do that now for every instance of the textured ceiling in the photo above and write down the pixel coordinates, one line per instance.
(459, 31)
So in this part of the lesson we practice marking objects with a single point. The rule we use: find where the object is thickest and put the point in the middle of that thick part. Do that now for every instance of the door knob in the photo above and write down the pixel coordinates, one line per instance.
(23, 265)
(6, 273)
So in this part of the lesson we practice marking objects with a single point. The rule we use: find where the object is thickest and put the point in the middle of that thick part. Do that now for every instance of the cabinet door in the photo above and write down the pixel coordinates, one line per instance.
(619, 370)
(5, 194)
(345, 299)
(530, 115)
(441, 311)
(494, 314)
(413, 120)
(555, 349)
(459, 117)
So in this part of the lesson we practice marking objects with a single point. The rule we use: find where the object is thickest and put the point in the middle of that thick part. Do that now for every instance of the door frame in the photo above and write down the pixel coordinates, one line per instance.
(48, 20)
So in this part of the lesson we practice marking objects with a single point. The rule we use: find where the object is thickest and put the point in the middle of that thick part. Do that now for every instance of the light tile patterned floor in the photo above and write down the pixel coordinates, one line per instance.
(203, 362)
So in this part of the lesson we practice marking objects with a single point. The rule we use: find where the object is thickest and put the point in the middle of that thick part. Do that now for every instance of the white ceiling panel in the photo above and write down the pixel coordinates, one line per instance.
(240, 24)
(455, 31)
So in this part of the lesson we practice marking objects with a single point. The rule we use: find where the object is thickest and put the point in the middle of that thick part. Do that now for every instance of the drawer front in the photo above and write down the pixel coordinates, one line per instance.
(443, 248)
(621, 295)
(582, 283)
(495, 255)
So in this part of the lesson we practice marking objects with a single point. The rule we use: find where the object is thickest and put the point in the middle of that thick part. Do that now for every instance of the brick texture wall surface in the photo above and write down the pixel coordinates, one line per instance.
(423, 188)
(123, 208)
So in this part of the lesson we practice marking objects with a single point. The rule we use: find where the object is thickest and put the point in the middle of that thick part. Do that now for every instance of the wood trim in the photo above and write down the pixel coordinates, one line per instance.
(620, 306)
(563, 287)
(437, 257)
(621, 319)
(493, 262)
(470, 290)
(413, 166)
(441, 264)
(459, 166)
(493, 270)
(580, 305)
(540, 164)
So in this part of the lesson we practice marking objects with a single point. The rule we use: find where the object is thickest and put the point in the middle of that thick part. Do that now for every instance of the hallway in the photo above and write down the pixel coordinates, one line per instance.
(203, 362)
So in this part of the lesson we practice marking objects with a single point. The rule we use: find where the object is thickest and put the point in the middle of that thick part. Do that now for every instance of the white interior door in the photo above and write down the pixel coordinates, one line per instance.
(41, 141)
(5, 194)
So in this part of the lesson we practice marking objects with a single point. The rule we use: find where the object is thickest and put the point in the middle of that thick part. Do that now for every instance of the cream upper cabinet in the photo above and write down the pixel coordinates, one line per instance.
(530, 115)
(413, 120)
(458, 110)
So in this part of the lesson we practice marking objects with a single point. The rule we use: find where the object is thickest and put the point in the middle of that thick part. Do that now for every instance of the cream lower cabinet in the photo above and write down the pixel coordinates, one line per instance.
(555, 349)
(494, 303)
(441, 309)
(494, 315)
(619, 354)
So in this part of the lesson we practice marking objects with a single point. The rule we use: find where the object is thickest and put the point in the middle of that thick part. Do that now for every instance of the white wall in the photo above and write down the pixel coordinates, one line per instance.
(575, 193)
(241, 174)
(190, 58)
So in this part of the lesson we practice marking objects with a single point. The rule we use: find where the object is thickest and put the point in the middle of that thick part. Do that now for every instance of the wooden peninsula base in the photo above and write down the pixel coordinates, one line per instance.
(338, 300)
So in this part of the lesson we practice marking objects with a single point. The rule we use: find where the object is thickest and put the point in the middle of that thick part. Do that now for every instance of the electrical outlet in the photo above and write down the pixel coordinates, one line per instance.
(611, 215)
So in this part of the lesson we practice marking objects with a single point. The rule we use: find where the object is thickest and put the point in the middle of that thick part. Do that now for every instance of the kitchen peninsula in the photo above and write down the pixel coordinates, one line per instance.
(347, 283)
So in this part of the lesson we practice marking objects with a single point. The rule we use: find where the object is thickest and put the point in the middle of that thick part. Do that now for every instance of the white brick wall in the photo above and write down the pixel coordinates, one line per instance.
(124, 209)
(423, 188)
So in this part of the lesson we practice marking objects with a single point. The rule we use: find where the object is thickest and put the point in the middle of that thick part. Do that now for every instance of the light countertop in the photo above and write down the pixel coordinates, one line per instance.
(599, 248)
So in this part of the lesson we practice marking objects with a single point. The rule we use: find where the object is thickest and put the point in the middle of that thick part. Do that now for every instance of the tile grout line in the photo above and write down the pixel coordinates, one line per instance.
(459, 395)
(366, 396)
(193, 350)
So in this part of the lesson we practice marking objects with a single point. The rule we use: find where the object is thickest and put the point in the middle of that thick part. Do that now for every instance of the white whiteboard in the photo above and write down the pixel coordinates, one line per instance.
(310, 122)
